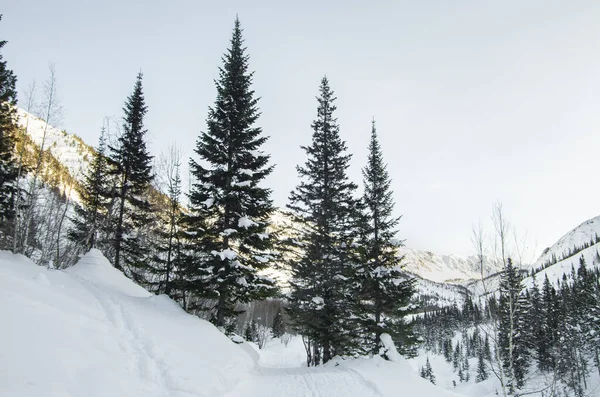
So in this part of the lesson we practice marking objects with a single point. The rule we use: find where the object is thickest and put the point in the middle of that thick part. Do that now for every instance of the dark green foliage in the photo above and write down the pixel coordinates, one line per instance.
(8, 165)
(278, 325)
(322, 297)
(91, 211)
(251, 332)
(230, 210)
(385, 290)
(132, 169)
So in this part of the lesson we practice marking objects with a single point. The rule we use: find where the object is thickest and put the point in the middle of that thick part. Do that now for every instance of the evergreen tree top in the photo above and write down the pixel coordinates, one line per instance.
(8, 81)
(325, 191)
(378, 195)
(135, 109)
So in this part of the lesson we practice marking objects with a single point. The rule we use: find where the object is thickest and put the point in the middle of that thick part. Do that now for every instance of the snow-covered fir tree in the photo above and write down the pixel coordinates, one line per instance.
(229, 224)
(8, 165)
(322, 301)
(132, 167)
(384, 289)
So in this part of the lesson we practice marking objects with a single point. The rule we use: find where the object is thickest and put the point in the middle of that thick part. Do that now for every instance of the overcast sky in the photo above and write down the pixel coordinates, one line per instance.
(475, 101)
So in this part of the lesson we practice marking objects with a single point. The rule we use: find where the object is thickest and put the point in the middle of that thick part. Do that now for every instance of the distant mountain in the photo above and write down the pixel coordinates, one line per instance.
(446, 268)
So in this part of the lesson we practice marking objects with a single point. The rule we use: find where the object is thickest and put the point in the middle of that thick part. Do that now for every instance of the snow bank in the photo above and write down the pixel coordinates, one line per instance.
(89, 331)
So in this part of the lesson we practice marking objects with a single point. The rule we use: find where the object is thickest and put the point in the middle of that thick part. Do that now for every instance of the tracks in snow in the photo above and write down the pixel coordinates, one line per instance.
(144, 359)
(306, 382)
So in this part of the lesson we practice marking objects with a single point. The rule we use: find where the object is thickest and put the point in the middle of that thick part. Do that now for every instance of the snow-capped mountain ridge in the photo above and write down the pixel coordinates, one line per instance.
(446, 268)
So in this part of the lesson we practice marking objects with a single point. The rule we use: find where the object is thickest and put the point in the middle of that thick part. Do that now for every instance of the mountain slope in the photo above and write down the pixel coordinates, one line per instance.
(586, 234)
(445, 268)
(67, 148)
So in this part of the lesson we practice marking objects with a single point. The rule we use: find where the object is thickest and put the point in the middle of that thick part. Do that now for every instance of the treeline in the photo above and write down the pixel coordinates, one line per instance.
(207, 248)
(548, 330)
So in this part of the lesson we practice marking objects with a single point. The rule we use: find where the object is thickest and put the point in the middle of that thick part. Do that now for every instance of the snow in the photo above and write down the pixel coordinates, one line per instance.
(246, 222)
(282, 372)
(89, 331)
(389, 348)
(225, 254)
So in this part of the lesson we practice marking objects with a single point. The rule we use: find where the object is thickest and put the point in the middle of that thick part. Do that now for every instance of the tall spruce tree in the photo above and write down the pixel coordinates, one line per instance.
(132, 167)
(90, 211)
(8, 165)
(230, 209)
(322, 298)
(384, 289)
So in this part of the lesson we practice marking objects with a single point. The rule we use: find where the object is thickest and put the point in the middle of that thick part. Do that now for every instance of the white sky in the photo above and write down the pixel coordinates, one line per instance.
(475, 101)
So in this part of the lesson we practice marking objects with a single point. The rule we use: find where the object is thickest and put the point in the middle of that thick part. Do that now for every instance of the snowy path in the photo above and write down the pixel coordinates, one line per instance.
(305, 382)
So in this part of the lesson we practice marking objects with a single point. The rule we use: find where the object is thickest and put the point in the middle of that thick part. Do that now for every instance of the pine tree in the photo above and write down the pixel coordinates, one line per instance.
(429, 372)
(322, 299)
(133, 170)
(539, 340)
(512, 328)
(91, 211)
(231, 210)
(8, 165)
(384, 289)
(482, 373)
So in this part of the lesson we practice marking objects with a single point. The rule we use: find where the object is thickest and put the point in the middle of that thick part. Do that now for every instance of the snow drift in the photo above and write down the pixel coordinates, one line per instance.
(89, 331)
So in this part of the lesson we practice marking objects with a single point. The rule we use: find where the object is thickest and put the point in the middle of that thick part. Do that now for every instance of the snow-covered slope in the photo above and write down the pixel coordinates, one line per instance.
(67, 148)
(89, 331)
(583, 234)
(555, 272)
(431, 295)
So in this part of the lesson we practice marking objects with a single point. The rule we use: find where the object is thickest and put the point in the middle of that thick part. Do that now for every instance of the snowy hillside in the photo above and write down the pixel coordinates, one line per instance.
(70, 150)
(89, 331)
(568, 244)
(556, 271)
(430, 294)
